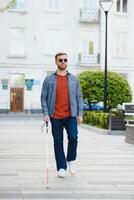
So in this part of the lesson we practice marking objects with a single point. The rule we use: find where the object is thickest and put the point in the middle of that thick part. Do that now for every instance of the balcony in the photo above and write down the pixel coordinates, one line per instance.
(88, 59)
(89, 16)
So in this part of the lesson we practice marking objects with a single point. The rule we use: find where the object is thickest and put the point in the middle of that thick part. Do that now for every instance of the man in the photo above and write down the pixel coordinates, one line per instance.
(61, 101)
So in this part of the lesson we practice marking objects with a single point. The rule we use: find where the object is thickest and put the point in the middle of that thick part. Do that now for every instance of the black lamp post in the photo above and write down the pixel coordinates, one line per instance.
(105, 5)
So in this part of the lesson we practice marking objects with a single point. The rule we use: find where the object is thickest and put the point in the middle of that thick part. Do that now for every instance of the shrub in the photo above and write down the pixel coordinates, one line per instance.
(98, 119)
(117, 112)
(92, 83)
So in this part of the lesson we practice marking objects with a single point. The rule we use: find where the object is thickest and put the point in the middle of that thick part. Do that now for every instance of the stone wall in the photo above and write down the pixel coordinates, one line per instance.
(129, 134)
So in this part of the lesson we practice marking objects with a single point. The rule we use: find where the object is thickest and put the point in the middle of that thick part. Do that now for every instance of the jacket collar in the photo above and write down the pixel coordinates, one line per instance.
(55, 73)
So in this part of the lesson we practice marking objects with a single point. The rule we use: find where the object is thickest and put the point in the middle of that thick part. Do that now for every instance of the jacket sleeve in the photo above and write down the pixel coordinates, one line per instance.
(44, 98)
(79, 98)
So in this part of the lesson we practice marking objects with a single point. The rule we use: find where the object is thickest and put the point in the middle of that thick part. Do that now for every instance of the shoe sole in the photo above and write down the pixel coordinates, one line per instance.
(72, 173)
(61, 176)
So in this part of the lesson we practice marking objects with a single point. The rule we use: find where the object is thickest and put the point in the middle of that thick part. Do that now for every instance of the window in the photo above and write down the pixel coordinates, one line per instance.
(54, 5)
(20, 5)
(88, 42)
(118, 5)
(91, 47)
(122, 6)
(84, 45)
(29, 83)
(53, 41)
(4, 87)
(17, 81)
(90, 4)
(86, 4)
(17, 44)
(4, 83)
(87, 47)
(121, 44)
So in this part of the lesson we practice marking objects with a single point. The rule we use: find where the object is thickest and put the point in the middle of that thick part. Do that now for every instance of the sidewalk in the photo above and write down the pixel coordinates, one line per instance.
(105, 165)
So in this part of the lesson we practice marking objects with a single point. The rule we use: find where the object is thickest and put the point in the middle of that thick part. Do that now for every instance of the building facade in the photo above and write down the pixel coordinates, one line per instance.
(32, 32)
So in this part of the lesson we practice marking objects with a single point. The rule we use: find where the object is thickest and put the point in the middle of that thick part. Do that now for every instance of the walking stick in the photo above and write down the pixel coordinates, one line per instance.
(47, 163)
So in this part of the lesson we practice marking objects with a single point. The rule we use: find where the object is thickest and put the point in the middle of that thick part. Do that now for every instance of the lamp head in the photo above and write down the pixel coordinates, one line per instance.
(106, 4)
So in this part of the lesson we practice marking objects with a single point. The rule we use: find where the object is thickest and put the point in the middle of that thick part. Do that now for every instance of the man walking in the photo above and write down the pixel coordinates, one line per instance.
(61, 101)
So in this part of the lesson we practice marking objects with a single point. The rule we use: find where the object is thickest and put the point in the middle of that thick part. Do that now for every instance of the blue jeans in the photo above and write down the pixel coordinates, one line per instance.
(70, 124)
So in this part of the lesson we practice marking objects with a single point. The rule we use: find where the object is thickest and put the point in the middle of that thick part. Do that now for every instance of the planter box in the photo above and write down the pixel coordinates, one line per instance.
(117, 123)
(129, 136)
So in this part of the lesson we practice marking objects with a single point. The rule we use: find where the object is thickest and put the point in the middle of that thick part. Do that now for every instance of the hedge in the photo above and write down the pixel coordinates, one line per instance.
(98, 119)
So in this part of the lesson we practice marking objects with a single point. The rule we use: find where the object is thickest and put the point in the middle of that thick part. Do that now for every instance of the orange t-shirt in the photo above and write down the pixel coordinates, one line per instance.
(62, 103)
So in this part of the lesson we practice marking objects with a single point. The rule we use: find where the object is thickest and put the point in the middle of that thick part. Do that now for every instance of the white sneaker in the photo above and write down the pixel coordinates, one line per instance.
(61, 173)
(72, 167)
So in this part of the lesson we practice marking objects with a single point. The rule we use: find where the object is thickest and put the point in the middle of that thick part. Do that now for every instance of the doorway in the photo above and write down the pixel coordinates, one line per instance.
(17, 93)
(17, 99)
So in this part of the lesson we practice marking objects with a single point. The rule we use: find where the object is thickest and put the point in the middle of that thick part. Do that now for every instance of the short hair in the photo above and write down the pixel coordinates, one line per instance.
(59, 54)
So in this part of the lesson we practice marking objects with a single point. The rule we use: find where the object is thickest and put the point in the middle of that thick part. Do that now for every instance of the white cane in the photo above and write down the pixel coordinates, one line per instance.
(47, 160)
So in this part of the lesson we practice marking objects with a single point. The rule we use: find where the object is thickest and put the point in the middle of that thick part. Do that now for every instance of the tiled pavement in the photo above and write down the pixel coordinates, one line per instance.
(105, 165)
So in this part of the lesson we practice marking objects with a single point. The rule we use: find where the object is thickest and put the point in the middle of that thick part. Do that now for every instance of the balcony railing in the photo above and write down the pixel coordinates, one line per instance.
(90, 16)
(88, 59)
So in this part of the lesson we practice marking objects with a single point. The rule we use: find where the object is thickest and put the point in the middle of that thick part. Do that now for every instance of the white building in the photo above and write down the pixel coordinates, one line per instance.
(34, 31)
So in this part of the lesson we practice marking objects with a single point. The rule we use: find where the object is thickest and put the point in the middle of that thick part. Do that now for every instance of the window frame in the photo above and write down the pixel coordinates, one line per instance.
(51, 9)
(17, 8)
(10, 53)
(121, 55)
(47, 51)
(121, 7)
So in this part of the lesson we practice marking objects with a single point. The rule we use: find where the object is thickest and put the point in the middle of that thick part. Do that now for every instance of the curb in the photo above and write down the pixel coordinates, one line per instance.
(20, 116)
(102, 131)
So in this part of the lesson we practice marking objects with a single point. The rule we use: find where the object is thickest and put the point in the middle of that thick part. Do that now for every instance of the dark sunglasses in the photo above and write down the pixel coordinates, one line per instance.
(61, 60)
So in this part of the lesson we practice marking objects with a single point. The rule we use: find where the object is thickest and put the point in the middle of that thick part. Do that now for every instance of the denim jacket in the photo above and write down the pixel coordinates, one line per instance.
(48, 95)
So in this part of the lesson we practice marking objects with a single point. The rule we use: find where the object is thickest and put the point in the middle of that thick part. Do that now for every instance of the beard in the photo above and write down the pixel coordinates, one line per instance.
(63, 67)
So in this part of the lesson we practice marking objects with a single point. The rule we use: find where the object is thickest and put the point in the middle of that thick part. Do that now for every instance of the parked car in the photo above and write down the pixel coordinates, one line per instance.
(97, 106)
(94, 105)
(85, 105)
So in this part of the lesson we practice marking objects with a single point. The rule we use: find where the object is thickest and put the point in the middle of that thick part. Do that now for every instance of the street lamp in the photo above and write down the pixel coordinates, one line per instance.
(105, 5)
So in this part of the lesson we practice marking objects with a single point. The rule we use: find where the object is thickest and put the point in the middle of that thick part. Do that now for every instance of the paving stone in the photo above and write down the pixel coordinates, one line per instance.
(105, 165)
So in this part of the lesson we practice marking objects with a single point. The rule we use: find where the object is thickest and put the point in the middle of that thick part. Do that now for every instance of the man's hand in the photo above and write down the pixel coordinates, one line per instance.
(79, 119)
(46, 118)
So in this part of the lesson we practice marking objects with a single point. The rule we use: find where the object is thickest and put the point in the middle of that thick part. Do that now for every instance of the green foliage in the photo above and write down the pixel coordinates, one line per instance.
(98, 119)
(8, 6)
(117, 112)
(129, 117)
(92, 83)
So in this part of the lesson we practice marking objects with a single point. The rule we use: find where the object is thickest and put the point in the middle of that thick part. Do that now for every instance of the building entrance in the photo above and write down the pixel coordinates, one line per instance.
(17, 96)
(17, 93)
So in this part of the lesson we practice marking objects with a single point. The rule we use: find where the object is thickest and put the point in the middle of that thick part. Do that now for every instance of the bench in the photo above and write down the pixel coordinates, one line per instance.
(128, 110)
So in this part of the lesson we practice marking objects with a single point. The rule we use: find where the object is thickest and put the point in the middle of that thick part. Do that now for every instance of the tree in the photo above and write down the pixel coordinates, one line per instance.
(6, 4)
(92, 83)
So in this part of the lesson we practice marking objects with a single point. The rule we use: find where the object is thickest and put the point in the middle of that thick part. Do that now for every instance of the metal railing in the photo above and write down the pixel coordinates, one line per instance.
(88, 58)
(89, 15)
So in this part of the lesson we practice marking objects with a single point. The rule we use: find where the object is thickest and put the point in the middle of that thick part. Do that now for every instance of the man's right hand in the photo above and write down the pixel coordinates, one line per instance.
(46, 118)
